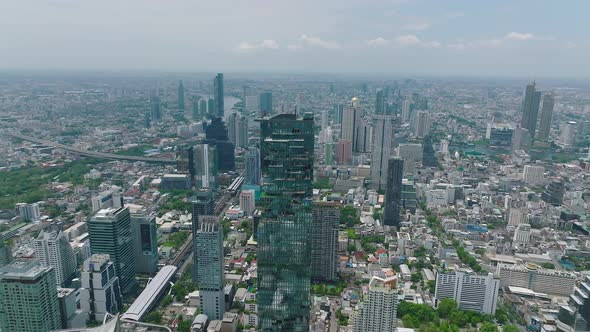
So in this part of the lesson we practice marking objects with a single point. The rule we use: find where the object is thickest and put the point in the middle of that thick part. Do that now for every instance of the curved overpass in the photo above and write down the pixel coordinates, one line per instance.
(95, 154)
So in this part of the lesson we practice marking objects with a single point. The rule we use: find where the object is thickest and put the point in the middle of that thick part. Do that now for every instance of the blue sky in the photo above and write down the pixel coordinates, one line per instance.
(525, 39)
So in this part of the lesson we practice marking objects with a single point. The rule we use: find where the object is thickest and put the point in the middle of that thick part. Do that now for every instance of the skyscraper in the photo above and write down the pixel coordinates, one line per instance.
(428, 155)
(247, 202)
(574, 316)
(205, 161)
(324, 240)
(421, 124)
(378, 311)
(471, 292)
(100, 293)
(211, 110)
(546, 115)
(553, 193)
(393, 192)
(338, 113)
(203, 107)
(156, 113)
(216, 134)
(52, 248)
(286, 150)
(265, 103)
(406, 111)
(195, 106)
(232, 127)
(351, 122)
(180, 96)
(567, 134)
(379, 103)
(382, 150)
(344, 152)
(28, 298)
(530, 109)
(110, 233)
(202, 204)
(145, 242)
(218, 95)
(210, 273)
(252, 173)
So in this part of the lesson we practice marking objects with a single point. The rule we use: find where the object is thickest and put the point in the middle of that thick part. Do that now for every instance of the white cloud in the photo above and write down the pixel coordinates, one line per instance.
(416, 26)
(407, 40)
(265, 44)
(518, 36)
(316, 41)
(379, 41)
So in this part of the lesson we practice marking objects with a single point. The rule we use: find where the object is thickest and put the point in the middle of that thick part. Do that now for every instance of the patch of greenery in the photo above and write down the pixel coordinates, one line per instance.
(349, 216)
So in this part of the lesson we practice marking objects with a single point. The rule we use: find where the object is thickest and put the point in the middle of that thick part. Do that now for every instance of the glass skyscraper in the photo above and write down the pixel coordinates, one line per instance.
(284, 243)
(218, 94)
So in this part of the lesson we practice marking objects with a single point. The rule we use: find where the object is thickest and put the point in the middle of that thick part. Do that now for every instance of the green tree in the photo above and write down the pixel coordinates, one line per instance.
(349, 216)
(488, 327)
(446, 307)
(510, 328)
(154, 317)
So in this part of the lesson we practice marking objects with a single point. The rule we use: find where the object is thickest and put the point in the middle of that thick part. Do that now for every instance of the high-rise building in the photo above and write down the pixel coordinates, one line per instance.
(521, 139)
(409, 200)
(379, 103)
(185, 160)
(28, 298)
(533, 174)
(421, 124)
(567, 134)
(110, 233)
(202, 204)
(338, 113)
(522, 235)
(428, 155)
(382, 150)
(324, 240)
(52, 248)
(393, 192)
(181, 96)
(218, 95)
(329, 153)
(406, 111)
(216, 134)
(29, 212)
(210, 273)
(530, 109)
(247, 202)
(284, 248)
(351, 123)
(575, 315)
(196, 115)
(100, 293)
(203, 108)
(211, 110)
(242, 132)
(265, 103)
(156, 113)
(232, 127)
(145, 242)
(501, 136)
(378, 311)
(344, 152)
(471, 292)
(546, 115)
(537, 279)
(205, 160)
(252, 173)
(363, 137)
(553, 193)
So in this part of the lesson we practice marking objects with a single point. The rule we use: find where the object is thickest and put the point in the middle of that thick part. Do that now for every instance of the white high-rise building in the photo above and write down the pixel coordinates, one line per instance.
(28, 212)
(567, 133)
(351, 123)
(533, 174)
(100, 293)
(471, 292)
(381, 150)
(108, 198)
(537, 279)
(210, 273)
(516, 217)
(406, 111)
(522, 234)
(378, 311)
(444, 147)
(52, 248)
(421, 124)
(247, 202)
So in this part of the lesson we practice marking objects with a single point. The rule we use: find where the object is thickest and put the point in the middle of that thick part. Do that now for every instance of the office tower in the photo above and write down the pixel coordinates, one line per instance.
(205, 160)
(210, 273)
(530, 109)
(567, 134)
(522, 235)
(338, 113)
(5, 253)
(409, 200)
(53, 249)
(218, 95)
(421, 124)
(516, 217)
(181, 96)
(70, 315)
(185, 160)
(363, 137)
(247, 202)
(203, 108)
(574, 316)
(406, 111)
(379, 103)
(501, 136)
(546, 115)
(216, 134)
(444, 147)
(286, 154)
(521, 139)
(265, 103)
(155, 110)
(324, 240)
(29, 212)
(329, 153)
(351, 121)
(232, 127)
(537, 279)
(211, 108)
(145, 242)
(100, 293)
(382, 150)
(28, 298)
(393, 192)
(252, 173)
(110, 233)
(471, 292)
(378, 311)
(553, 193)
(242, 132)
(344, 152)
(428, 155)
(246, 92)
(195, 108)
(202, 204)
(533, 175)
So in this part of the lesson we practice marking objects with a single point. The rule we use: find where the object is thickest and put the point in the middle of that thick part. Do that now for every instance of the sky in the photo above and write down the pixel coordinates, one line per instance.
(516, 38)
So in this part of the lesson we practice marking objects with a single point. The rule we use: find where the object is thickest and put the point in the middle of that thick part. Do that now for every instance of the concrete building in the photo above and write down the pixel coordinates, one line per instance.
(71, 316)
(522, 235)
(252, 172)
(210, 270)
(554, 192)
(393, 192)
(344, 152)
(202, 204)
(421, 124)
(537, 279)
(175, 182)
(145, 242)
(351, 124)
(567, 134)
(100, 293)
(218, 95)
(516, 217)
(533, 175)
(110, 233)
(378, 311)
(108, 198)
(247, 202)
(381, 150)
(530, 109)
(471, 292)
(546, 115)
(574, 315)
(52, 248)
(325, 225)
(29, 212)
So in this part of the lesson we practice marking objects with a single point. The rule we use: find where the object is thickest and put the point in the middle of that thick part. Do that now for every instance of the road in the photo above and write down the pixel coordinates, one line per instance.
(95, 154)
